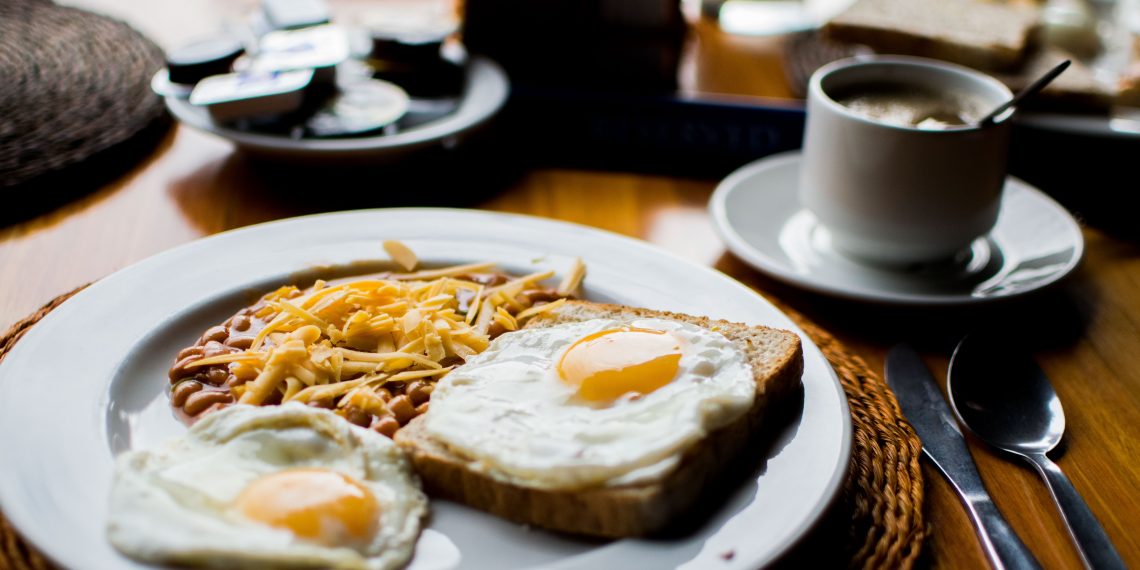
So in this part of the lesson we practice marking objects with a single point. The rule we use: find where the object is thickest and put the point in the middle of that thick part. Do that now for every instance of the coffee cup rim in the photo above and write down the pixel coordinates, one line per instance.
(815, 86)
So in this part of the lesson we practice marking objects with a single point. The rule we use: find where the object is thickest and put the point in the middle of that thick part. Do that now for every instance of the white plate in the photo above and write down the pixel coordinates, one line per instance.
(486, 90)
(89, 381)
(756, 211)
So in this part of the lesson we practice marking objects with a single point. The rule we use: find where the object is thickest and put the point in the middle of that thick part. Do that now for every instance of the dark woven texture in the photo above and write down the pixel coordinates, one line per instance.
(882, 498)
(883, 494)
(806, 52)
(75, 84)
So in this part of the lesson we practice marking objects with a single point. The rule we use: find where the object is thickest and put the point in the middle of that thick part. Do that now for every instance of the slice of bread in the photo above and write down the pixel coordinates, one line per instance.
(976, 33)
(776, 358)
(1129, 86)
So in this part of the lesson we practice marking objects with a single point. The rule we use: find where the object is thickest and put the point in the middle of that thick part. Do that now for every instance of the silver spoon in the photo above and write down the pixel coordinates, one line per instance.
(1008, 402)
(1030, 89)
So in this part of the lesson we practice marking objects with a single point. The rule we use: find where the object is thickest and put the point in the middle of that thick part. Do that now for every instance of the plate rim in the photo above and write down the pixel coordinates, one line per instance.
(830, 494)
(739, 246)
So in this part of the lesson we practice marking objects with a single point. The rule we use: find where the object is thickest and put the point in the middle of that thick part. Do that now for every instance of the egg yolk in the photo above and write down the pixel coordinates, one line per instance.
(316, 504)
(607, 364)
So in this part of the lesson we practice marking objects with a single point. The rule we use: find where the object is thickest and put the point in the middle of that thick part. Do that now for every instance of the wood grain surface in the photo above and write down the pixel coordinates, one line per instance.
(1085, 333)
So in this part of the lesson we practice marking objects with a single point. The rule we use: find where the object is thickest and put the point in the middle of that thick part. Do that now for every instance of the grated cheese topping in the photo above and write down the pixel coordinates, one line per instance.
(345, 340)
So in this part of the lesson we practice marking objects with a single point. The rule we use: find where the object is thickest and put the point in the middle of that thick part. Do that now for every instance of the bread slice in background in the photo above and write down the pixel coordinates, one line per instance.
(993, 37)
(1128, 85)
(976, 33)
(776, 358)
(1076, 90)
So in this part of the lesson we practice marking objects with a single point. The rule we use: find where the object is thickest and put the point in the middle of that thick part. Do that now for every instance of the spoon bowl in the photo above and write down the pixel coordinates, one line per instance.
(1006, 400)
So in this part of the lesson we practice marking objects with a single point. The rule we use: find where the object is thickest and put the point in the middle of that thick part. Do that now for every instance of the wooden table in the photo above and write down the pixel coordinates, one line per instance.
(1086, 333)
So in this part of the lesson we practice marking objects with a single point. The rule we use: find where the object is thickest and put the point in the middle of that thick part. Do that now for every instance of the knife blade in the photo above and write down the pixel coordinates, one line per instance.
(942, 443)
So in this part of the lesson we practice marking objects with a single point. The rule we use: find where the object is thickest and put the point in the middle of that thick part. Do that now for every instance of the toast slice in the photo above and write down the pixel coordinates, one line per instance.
(976, 33)
(776, 358)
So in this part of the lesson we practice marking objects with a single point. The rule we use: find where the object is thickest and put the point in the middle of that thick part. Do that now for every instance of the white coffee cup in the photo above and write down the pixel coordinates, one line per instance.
(894, 194)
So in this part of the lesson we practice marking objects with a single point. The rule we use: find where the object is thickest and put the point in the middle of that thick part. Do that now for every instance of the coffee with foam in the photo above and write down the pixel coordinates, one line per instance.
(912, 106)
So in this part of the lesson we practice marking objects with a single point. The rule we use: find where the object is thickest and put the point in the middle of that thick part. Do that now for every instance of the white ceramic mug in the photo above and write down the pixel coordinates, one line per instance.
(893, 194)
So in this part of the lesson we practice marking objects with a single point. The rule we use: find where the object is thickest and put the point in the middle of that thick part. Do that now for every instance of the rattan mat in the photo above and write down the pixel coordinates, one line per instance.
(882, 498)
(805, 52)
(75, 84)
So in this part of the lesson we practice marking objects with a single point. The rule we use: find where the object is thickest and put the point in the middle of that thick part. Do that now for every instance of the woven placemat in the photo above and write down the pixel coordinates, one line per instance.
(75, 84)
(805, 52)
(882, 498)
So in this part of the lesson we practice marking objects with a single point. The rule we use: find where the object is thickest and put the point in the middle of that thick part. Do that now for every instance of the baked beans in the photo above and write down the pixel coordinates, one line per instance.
(201, 400)
(182, 390)
(197, 390)
(402, 409)
(419, 391)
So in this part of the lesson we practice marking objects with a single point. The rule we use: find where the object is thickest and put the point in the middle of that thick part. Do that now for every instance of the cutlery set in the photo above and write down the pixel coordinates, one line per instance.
(1006, 401)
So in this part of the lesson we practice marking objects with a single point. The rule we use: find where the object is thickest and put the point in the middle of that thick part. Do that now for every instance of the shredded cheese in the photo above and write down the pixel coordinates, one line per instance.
(401, 254)
(573, 278)
(226, 359)
(445, 272)
(343, 341)
(539, 309)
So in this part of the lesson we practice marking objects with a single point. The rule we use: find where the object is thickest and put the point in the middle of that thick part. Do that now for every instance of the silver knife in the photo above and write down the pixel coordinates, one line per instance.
(942, 442)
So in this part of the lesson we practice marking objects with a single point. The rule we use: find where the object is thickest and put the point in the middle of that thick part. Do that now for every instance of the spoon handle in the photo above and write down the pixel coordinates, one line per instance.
(1096, 549)
(1029, 90)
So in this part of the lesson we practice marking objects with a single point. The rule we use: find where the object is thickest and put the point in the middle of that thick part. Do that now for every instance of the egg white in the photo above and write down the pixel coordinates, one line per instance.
(507, 410)
(173, 504)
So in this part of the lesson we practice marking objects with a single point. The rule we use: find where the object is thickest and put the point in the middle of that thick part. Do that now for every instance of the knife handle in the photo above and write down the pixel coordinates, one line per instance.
(1092, 541)
(1002, 546)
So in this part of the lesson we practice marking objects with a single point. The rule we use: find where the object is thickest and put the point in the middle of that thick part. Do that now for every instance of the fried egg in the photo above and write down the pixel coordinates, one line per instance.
(282, 487)
(598, 402)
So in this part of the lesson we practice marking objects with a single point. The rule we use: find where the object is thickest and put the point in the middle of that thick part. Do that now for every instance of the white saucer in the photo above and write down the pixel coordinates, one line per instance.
(757, 213)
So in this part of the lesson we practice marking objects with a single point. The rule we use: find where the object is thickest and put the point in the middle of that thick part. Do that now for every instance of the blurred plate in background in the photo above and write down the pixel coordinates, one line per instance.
(484, 93)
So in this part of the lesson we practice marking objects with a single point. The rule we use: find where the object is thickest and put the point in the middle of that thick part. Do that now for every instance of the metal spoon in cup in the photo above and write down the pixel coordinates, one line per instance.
(1030, 89)
(1008, 402)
